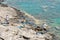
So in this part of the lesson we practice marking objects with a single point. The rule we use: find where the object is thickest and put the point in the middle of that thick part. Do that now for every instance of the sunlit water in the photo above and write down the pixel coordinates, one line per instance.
(42, 9)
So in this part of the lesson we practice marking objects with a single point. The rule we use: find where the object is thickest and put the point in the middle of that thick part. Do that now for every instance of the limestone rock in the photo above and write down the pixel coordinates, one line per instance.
(16, 19)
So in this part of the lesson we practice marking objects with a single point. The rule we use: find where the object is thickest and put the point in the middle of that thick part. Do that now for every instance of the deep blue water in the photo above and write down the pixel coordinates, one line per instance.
(41, 9)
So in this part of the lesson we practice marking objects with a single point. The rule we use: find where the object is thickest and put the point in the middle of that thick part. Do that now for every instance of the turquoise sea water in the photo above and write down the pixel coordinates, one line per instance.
(41, 9)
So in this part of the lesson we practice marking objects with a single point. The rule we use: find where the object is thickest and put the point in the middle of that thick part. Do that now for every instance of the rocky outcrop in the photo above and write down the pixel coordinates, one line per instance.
(18, 25)
(14, 33)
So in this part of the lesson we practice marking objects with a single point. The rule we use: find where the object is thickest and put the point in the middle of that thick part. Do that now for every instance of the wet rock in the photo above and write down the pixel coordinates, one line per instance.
(4, 5)
(57, 28)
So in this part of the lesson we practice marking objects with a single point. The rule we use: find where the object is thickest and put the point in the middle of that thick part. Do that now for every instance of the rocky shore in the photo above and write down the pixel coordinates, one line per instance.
(18, 25)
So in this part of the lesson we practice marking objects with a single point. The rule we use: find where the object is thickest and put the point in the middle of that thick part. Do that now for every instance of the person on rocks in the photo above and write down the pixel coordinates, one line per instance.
(7, 19)
(44, 27)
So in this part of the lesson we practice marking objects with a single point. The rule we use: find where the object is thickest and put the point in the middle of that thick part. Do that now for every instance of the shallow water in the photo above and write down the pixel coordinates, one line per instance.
(42, 9)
